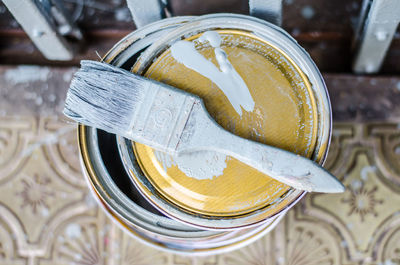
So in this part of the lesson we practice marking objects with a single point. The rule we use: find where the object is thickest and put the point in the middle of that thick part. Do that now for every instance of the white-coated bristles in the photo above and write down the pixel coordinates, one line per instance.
(152, 113)
(104, 96)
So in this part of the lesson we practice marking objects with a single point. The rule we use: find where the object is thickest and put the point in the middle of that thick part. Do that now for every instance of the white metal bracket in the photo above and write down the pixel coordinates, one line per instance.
(269, 10)
(46, 23)
(376, 27)
(145, 12)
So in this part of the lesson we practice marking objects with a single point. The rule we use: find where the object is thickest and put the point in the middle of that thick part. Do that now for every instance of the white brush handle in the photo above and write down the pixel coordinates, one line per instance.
(173, 121)
(203, 133)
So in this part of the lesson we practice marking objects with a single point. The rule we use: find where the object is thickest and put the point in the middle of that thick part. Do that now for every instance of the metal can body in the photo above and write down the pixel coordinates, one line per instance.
(204, 216)
(137, 217)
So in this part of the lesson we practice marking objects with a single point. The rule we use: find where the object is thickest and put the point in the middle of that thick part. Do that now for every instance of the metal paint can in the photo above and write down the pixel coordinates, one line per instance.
(138, 192)
(292, 111)
(131, 212)
(119, 198)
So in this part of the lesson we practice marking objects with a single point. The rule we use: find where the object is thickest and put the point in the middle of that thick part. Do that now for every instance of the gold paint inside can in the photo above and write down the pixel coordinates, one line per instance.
(285, 116)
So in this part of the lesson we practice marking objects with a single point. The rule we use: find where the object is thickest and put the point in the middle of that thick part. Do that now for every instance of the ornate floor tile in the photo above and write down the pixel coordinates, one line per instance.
(366, 216)
(39, 189)
(260, 252)
(48, 217)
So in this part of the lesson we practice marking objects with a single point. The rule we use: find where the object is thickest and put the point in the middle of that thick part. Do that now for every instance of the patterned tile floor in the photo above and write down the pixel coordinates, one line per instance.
(47, 215)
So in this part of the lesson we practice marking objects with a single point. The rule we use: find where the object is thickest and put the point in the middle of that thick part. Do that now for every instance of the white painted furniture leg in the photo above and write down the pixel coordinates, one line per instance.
(146, 11)
(269, 10)
(46, 23)
(377, 25)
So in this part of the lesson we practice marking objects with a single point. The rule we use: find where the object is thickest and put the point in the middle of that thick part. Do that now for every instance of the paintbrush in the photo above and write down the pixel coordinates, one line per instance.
(176, 122)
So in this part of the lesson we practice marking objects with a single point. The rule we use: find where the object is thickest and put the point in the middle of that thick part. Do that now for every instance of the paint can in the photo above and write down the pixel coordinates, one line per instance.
(117, 196)
(125, 206)
(207, 203)
(291, 110)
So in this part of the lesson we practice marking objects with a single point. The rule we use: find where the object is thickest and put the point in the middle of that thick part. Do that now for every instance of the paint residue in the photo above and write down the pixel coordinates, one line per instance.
(73, 230)
(308, 12)
(226, 77)
(27, 73)
(198, 165)
(122, 14)
(365, 170)
(207, 165)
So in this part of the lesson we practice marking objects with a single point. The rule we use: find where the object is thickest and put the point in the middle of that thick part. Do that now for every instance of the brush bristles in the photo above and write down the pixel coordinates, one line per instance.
(104, 96)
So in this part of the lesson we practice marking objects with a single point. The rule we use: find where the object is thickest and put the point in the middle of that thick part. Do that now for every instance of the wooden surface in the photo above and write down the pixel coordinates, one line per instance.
(323, 28)
(47, 215)
(353, 98)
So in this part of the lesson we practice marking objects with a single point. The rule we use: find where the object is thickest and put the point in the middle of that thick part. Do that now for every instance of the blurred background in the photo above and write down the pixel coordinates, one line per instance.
(47, 215)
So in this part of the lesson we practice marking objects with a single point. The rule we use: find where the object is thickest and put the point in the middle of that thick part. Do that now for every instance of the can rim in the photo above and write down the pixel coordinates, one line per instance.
(142, 234)
(133, 42)
(106, 189)
(119, 54)
(285, 42)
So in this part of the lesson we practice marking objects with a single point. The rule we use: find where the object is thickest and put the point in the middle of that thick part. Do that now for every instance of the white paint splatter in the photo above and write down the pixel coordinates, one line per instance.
(307, 12)
(198, 165)
(73, 230)
(365, 170)
(67, 76)
(52, 97)
(30, 95)
(90, 201)
(26, 73)
(296, 31)
(122, 14)
(356, 184)
(389, 262)
(397, 150)
(360, 204)
(39, 101)
(47, 140)
(350, 226)
(226, 78)
(381, 35)
(45, 212)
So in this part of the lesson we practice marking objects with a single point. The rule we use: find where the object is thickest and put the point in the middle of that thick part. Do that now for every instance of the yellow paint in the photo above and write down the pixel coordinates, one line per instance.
(285, 116)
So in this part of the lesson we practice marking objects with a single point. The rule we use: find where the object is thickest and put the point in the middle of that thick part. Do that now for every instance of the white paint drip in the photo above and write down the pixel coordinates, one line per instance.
(26, 73)
(207, 165)
(226, 78)
(198, 165)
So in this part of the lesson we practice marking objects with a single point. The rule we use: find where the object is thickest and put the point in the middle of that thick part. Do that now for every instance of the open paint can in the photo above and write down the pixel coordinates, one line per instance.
(256, 82)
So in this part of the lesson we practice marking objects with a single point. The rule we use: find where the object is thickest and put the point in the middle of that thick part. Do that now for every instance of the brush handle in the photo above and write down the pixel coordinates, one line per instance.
(203, 133)
(173, 121)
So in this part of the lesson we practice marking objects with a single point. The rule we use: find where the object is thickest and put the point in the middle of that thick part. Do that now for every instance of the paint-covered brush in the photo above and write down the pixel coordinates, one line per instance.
(173, 121)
